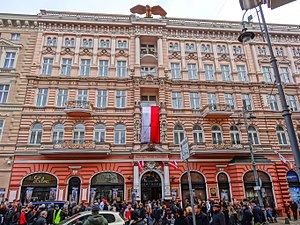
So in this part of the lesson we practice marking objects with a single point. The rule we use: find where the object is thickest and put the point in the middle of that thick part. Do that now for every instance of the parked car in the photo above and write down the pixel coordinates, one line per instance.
(113, 218)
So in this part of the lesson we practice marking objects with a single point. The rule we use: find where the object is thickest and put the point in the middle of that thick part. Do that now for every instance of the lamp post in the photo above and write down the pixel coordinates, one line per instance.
(285, 108)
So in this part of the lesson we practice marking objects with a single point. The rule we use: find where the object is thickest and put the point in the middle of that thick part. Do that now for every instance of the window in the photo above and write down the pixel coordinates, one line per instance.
(253, 135)
(41, 99)
(262, 51)
(102, 98)
(120, 99)
(79, 133)
(212, 100)
(69, 42)
(268, 77)
(205, 48)
(15, 37)
(103, 68)
(4, 89)
(148, 71)
(273, 103)
(178, 134)
(292, 102)
(120, 134)
(66, 67)
(242, 74)
(121, 68)
(279, 51)
(281, 135)
(296, 52)
(195, 100)
(148, 49)
(229, 100)
(192, 71)
(85, 67)
(47, 66)
(246, 102)
(122, 44)
(198, 134)
(82, 96)
(177, 100)
(286, 75)
(104, 43)
(209, 72)
(225, 73)
(58, 134)
(221, 49)
(87, 43)
(175, 71)
(51, 41)
(99, 135)
(237, 50)
(148, 100)
(62, 97)
(235, 135)
(36, 134)
(217, 135)
(190, 47)
(1, 128)
(173, 47)
(9, 60)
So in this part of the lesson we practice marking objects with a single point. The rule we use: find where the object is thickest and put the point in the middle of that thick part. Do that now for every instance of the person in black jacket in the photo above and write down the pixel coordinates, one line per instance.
(50, 212)
(42, 219)
(201, 218)
(218, 216)
(247, 216)
(181, 219)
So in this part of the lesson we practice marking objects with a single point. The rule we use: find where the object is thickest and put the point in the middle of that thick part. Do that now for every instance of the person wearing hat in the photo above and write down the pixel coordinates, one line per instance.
(56, 215)
(95, 218)
(218, 216)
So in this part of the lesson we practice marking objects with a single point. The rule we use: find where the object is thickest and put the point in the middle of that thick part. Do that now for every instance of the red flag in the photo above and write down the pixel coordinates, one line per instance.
(141, 165)
(173, 164)
(282, 159)
(150, 124)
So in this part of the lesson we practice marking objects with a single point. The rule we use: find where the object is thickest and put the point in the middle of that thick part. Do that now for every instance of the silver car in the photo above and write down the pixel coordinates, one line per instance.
(113, 218)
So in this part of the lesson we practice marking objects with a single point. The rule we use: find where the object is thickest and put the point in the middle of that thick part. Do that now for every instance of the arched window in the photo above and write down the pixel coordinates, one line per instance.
(120, 134)
(208, 48)
(217, 135)
(198, 134)
(58, 134)
(49, 41)
(178, 134)
(224, 188)
(72, 42)
(74, 189)
(102, 43)
(67, 42)
(84, 43)
(90, 45)
(54, 41)
(36, 133)
(253, 135)
(99, 135)
(187, 47)
(203, 48)
(79, 133)
(107, 44)
(171, 46)
(235, 135)
(281, 135)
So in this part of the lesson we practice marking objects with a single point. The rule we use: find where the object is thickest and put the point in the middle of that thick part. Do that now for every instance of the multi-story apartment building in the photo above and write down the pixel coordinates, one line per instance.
(17, 44)
(80, 131)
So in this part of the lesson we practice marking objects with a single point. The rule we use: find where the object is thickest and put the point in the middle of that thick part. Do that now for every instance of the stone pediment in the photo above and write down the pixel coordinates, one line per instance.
(151, 147)
(8, 44)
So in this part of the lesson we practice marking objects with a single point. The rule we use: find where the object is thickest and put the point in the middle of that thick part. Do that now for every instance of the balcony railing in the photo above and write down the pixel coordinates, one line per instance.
(74, 144)
(79, 108)
(223, 145)
(215, 111)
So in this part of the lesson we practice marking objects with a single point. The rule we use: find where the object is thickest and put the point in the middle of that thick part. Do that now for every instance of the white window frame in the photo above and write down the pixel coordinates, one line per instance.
(246, 100)
(85, 67)
(179, 134)
(198, 135)
(217, 135)
(120, 134)
(285, 74)
(58, 132)
(195, 100)
(121, 68)
(36, 134)
(120, 98)
(192, 71)
(99, 133)
(41, 97)
(212, 99)
(252, 134)
(177, 100)
(229, 100)
(66, 66)
(102, 97)
(209, 72)
(62, 97)
(225, 70)
(82, 95)
(1, 128)
(15, 36)
(292, 101)
(175, 71)
(4, 93)
(79, 134)
(235, 136)
(9, 61)
(103, 68)
(273, 102)
(47, 66)
(268, 75)
(281, 136)
(242, 73)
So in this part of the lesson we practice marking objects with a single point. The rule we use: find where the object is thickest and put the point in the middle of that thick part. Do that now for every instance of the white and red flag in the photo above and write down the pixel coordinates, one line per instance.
(150, 124)
(282, 159)
(141, 165)
(173, 164)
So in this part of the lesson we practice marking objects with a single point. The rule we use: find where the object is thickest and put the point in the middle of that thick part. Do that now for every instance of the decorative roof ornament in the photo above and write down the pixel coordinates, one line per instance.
(155, 10)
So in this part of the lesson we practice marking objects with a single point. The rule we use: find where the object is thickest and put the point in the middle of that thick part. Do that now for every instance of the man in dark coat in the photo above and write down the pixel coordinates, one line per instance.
(50, 212)
(218, 216)
(95, 218)
(247, 216)
(42, 219)
(181, 219)
(294, 209)
(201, 218)
(258, 214)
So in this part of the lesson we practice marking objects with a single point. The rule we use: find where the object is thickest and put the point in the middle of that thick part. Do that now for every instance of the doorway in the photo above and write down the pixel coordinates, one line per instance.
(151, 186)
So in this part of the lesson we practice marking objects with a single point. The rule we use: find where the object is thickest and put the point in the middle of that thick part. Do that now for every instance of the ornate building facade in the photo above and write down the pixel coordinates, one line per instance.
(80, 129)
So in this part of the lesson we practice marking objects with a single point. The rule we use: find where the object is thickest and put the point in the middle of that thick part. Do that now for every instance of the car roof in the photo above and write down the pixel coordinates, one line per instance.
(101, 212)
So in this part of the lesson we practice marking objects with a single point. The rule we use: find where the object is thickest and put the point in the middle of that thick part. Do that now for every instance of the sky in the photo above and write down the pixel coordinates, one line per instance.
(195, 9)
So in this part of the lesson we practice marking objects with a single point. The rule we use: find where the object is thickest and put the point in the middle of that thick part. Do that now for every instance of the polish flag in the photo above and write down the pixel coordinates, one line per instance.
(173, 164)
(141, 165)
(282, 159)
(150, 124)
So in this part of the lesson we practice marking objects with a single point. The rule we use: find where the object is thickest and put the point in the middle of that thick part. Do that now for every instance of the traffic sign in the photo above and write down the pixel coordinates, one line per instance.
(184, 147)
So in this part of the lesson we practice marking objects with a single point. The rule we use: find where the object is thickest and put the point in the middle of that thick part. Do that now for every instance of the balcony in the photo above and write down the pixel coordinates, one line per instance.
(225, 146)
(217, 111)
(148, 55)
(79, 109)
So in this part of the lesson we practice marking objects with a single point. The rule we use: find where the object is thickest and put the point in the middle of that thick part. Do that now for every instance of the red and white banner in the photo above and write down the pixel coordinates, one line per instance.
(283, 160)
(141, 165)
(173, 164)
(150, 124)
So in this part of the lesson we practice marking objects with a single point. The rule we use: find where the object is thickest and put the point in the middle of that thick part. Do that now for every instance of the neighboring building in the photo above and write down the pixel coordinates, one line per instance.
(80, 129)
(17, 44)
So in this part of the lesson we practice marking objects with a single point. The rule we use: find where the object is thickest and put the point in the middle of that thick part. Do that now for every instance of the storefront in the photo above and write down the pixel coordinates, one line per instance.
(38, 187)
(294, 186)
(151, 186)
(224, 187)
(74, 186)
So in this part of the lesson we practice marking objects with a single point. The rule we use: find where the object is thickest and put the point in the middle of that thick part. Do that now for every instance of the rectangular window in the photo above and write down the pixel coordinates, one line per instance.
(85, 67)
(177, 100)
(47, 66)
(1, 128)
(15, 36)
(41, 99)
(246, 101)
(4, 89)
(66, 67)
(273, 103)
(121, 69)
(120, 99)
(82, 95)
(225, 73)
(148, 71)
(212, 99)
(268, 77)
(192, 71)
(286, 75)
(209, 72)
(9, 60)
(175, 71)
(229, 100)
(62, 97)
(242, 74)
(195, 100)
(103, 68)
(102, 98)
(292, 102)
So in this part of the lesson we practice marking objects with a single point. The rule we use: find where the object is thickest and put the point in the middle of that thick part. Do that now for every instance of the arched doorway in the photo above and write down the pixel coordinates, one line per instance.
(74, 189)
(224, 187)
(266, 188)
(151, 186)
(108, 185)
(198, 185)
(294, 185)
(38, 187)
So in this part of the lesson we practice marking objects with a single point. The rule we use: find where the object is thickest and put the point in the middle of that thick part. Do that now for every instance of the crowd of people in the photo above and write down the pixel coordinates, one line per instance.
(149, 213)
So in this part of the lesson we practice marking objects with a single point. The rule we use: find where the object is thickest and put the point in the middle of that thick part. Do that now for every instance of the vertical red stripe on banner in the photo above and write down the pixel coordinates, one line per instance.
(155, 126)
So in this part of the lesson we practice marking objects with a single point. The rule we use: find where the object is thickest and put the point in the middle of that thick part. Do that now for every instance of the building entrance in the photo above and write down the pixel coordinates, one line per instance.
(151, 186)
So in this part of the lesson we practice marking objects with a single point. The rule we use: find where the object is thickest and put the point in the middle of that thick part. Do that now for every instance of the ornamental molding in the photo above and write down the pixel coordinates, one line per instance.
(67, 51)
(85, 51)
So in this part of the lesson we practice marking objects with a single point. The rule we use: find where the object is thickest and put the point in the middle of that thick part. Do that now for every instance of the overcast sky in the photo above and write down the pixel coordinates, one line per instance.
(200, 9)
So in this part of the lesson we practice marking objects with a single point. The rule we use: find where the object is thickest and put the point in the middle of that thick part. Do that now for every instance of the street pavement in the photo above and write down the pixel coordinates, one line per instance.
(281, 221)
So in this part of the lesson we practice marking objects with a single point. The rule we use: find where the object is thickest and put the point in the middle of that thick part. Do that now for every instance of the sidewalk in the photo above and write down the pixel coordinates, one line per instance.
(281, 220)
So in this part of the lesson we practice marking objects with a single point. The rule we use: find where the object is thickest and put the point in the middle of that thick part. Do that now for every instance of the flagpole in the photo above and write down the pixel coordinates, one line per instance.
(191, 191)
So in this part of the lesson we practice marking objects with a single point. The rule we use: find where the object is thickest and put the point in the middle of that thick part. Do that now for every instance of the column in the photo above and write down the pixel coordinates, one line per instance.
(113, 51)
(254, 55)
(215, 52)
(182, 53)
(290, 57)
(160, 51)
(77, 49)
(137, 50)
(136, 180)
(58, 47)
(167, 190)
(95, 50)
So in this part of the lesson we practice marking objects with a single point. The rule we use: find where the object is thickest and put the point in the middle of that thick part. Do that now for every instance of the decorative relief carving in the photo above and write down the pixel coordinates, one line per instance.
(240, 58)
(137, 130)
(163, 130)
(48, 50)
(175, 55)
(103, 52)
(86, 51)
(208, 56)
(192, 55)
(67, 51)
(122, 53)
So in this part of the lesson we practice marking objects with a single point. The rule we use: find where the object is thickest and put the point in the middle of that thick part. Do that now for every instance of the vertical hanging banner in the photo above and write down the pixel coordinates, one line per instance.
(150, 124)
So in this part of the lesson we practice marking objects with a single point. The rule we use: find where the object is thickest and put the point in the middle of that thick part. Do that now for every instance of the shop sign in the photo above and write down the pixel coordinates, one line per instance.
(291, 176)
(40, 179)
(106, 178)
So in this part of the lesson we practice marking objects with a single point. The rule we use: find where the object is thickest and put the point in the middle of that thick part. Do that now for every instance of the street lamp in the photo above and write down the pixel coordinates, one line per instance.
(285, 108)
